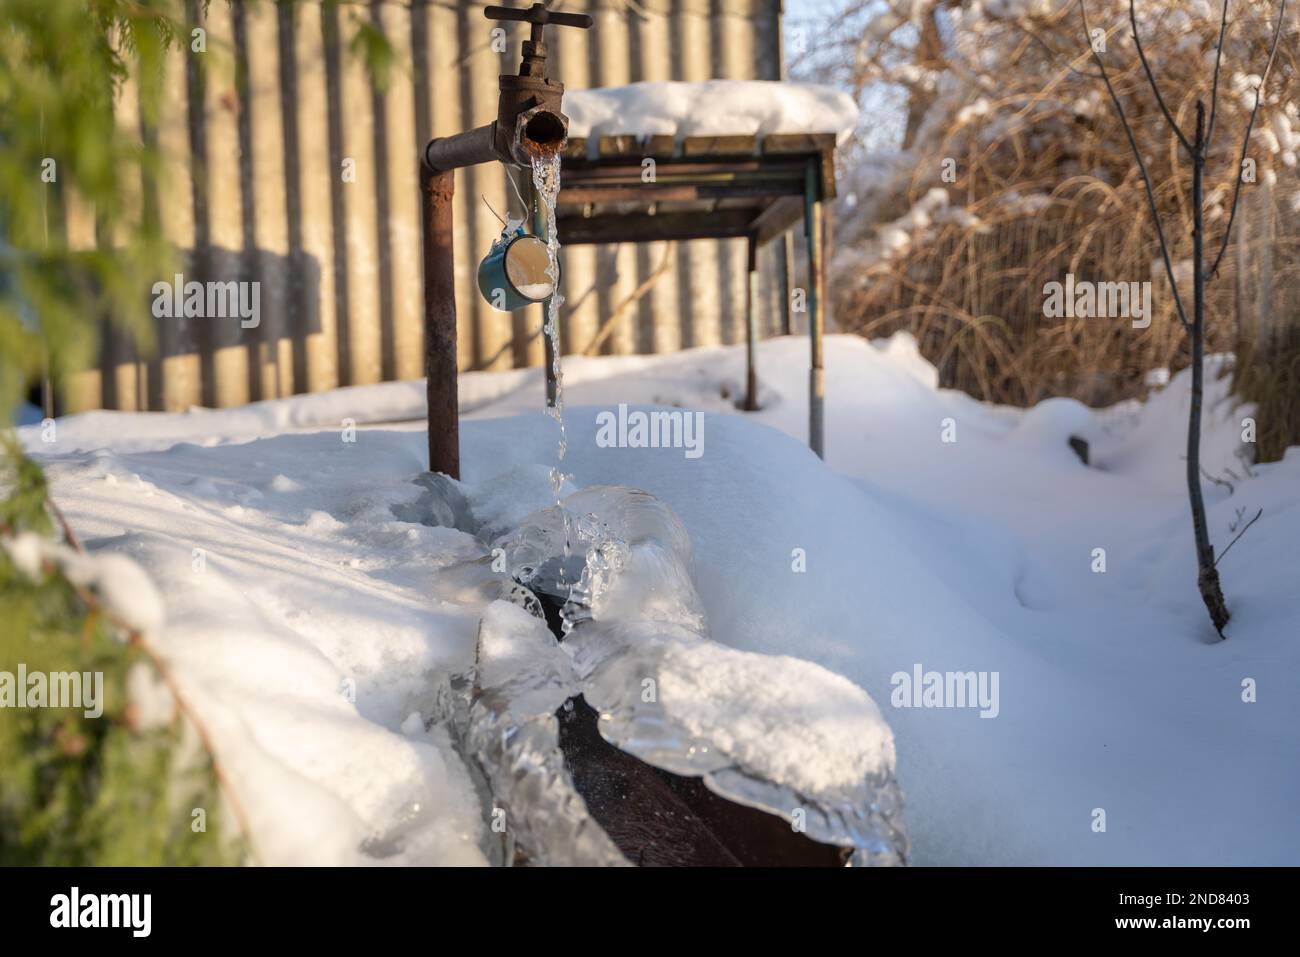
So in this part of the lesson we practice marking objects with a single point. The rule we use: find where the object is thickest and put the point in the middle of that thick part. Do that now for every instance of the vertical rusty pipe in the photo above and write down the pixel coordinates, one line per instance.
(828, 242)
(787, 252)
(751, 324)
(816, 295)
(436, 191)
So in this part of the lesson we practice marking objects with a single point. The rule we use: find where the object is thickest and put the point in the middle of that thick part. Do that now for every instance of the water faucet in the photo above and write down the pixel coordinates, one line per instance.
(529, 120)
(529, 125)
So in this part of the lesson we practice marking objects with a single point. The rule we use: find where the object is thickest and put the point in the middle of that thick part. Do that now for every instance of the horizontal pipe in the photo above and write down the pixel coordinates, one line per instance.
(464, 149)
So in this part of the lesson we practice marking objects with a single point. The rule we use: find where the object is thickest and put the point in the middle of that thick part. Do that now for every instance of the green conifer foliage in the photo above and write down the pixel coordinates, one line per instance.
(113, 788)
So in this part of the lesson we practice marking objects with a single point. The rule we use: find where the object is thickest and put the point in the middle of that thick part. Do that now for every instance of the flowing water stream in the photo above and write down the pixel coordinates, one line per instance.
(546, 182)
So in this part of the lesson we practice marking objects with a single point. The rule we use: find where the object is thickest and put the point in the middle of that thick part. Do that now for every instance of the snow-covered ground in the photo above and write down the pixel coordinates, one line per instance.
(307, 619)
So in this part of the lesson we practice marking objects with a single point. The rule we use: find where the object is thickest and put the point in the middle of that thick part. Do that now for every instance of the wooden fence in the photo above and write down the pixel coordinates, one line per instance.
(287, 166)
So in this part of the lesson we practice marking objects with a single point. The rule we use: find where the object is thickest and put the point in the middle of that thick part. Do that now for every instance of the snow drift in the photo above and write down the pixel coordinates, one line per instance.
(310, 611)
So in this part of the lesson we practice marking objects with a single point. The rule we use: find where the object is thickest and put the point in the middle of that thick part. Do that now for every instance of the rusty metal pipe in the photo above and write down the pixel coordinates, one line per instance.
(751, 324)
(464, 149)
(534, 131)
(529, 124)
(812, 219)
(437, 189)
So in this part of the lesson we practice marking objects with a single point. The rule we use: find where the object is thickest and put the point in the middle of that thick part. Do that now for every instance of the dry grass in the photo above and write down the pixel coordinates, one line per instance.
(975, 299)
(971, 287)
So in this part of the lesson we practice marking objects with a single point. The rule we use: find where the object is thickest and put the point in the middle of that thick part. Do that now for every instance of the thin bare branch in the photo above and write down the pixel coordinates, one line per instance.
(1221, 482)
(1238, 537)
(1151, 78)
(1142, 167)
(1214, 89)
(1055, 54)
(68, 534)
(1245, 140)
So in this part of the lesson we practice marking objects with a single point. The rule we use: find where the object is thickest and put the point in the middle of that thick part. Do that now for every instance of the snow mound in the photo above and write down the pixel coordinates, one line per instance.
(127, 594)
(772, 732)
(711, 108)
(307, 642)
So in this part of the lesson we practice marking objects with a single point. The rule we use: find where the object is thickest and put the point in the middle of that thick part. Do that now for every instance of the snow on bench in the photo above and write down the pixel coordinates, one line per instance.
(710, 108)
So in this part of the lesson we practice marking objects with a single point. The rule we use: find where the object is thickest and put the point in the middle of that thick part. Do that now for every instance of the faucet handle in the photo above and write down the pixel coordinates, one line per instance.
(538, 16)
(534, 61)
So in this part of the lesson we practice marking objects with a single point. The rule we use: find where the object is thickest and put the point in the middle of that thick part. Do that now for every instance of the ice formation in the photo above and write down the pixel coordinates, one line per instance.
(774, 733)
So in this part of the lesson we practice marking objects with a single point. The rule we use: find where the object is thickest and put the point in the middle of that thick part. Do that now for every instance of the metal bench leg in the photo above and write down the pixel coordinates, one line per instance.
(816, 293)
(751, 322)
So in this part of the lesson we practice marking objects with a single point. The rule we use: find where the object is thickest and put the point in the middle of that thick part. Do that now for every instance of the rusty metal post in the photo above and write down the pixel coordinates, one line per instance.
(751, 324)
(787, 251)
(437, 188)
(816, 293)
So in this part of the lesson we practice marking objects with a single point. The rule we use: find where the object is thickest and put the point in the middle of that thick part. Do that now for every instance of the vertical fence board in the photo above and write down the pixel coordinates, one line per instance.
(580, 315)
(271, 225)
(403, 225)
(367, 324)
(224, 191)
(616, 263)
(127, 376)
(309, 116)
(180, 370)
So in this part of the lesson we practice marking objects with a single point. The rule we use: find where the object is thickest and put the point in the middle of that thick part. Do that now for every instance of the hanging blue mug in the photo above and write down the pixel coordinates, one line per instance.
(513, 273)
